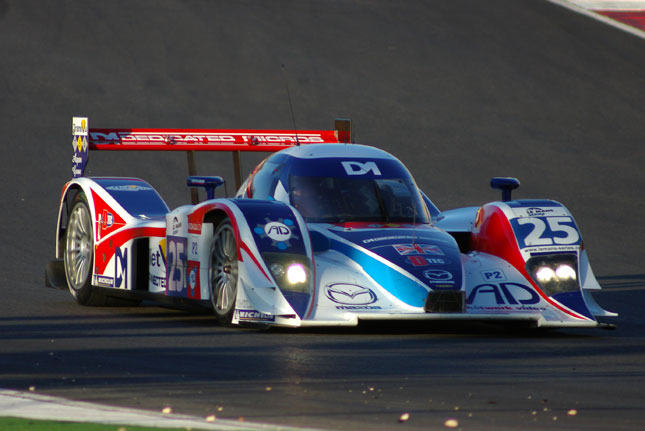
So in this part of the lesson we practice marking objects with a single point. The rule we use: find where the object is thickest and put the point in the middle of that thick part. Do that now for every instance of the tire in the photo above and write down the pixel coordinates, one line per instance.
(223, 272)
(78, 256)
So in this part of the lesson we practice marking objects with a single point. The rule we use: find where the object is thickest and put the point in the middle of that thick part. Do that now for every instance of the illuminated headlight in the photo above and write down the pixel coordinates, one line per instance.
(544, 274)
(292, 272)
(555, 273)
(296, 274)
(565, 272)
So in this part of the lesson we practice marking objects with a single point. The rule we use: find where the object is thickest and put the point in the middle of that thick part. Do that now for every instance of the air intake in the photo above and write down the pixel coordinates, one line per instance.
(446, 301)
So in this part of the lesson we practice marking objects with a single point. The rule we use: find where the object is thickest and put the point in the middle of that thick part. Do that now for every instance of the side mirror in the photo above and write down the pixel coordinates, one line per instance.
(506, 185)
(208, 183)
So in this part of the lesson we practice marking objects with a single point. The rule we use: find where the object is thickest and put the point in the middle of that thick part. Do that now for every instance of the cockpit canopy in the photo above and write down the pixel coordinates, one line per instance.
(330, 183)
(334, 200)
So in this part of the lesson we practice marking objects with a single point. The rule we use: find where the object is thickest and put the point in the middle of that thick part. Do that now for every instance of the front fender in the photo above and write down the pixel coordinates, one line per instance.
(532, 235)
(268, 233)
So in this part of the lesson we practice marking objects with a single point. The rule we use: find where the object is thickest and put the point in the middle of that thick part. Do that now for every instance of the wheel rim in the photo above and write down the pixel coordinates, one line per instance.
(223, 270)
(78, 250)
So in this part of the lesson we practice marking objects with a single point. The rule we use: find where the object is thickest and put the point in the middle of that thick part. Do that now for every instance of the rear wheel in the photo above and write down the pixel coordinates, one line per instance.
(223, 272)
(79, 254)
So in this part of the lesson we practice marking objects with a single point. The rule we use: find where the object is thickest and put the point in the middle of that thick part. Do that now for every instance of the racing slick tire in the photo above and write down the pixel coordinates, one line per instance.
(78, 256)
(223, 272)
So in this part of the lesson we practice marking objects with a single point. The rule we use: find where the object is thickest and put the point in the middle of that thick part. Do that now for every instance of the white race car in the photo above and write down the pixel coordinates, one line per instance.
(321, 233)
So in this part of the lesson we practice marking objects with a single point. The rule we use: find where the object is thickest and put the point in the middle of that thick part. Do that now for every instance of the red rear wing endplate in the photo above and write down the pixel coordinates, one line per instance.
(191, 140)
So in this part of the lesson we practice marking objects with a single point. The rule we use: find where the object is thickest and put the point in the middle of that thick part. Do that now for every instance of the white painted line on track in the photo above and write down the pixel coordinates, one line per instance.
(587, 7)
(34, 406)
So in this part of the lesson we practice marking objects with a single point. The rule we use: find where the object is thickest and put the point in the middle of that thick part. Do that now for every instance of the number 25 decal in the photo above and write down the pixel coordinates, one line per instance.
(556, 230)
(176, 264)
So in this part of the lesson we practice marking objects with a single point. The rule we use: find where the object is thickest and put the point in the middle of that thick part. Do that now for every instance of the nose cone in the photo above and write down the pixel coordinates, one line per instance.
(409, 261)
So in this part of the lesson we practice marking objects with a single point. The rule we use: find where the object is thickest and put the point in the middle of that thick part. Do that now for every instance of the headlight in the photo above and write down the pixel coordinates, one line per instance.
(554, 273)
(292, 272)
(296, 274)
(277, 270)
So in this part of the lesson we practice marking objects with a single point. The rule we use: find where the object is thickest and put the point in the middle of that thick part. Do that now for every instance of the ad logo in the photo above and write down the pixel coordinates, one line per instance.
(277, 231)
(503, 294)
(358, 168)
(121, 267)
(254, 315)
(350, 294)
(539, 212)
(108, 219)
(437, 275)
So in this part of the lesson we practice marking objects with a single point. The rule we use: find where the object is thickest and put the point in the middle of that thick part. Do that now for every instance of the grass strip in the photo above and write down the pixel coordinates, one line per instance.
(20, 424)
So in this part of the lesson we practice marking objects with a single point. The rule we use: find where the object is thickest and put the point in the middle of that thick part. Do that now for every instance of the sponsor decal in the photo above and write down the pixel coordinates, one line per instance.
(534, 251)
(479, 217)
(350, 294)
(158, 256)
(438, 275)
(411, 249)
(545, 231)
(193, 280)
(359, 168)
(128, 188)
(176, 266)
(279, 232)
(79, 146)
(125, 138)
(107, 220)
(503, 294)
(494, 275)
(120, 267)
(421, 261)
(158, 281)
(195, 227)
(386, 238)
(538, 212)
(417, 261)
(254, 315)
(439, 278)
(194, 248)
(158, 266)
(437, 261)
(401, 237)
(79, 126)
(103, 281)
(176, 225)
(494, 308)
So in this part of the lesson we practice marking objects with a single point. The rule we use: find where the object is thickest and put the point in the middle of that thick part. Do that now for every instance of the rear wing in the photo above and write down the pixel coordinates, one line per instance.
(190, 140)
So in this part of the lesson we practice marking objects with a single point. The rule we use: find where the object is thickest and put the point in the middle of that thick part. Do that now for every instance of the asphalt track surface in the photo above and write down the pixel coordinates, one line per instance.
(459, 90)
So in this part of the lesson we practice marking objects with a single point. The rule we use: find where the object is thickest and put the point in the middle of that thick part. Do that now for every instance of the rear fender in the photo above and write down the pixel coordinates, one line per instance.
(124, 211)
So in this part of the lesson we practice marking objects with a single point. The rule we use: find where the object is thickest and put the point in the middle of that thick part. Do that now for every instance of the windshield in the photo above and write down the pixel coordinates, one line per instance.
(338, 200)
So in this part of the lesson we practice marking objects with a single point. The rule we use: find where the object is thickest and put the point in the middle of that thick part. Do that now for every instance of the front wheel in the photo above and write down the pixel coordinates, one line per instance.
(223, 272)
